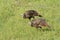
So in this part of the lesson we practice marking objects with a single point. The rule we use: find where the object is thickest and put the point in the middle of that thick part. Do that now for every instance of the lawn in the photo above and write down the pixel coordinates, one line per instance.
(14, 27)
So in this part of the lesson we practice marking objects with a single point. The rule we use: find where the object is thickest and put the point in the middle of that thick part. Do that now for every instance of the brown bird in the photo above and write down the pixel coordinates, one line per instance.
(30, 14)
(38, 23)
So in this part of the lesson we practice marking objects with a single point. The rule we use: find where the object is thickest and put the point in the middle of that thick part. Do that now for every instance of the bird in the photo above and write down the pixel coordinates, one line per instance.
(31, 14)
(39, 22)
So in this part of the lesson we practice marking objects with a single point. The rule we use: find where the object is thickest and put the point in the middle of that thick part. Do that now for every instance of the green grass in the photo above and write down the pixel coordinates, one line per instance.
(14, 27)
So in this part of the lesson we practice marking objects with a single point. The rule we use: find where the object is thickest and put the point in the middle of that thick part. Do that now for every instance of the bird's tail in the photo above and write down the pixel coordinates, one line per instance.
(40, 15)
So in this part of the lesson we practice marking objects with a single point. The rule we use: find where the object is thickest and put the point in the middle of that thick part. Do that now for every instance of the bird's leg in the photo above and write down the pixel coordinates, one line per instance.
(33, 17)
(40, 27)
(30, 18)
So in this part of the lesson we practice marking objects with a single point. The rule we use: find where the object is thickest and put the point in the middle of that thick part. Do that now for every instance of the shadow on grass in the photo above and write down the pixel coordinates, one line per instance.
(46, 29)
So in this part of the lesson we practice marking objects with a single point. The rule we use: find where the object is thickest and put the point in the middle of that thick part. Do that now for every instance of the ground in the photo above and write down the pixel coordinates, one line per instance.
(14, 27)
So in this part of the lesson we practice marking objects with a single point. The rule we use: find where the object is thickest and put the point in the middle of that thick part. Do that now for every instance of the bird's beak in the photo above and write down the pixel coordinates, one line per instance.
(21, 15)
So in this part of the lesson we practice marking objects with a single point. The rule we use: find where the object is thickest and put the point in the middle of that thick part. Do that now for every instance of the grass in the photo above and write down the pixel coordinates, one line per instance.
(14, 27)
